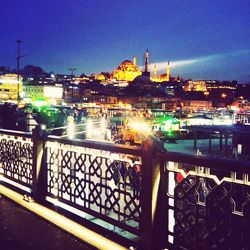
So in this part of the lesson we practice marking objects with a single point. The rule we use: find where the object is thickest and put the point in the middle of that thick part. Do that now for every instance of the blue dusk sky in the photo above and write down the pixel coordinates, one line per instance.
(202, 39)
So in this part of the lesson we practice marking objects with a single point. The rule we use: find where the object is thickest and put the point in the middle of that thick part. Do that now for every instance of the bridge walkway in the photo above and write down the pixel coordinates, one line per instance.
(23, 230)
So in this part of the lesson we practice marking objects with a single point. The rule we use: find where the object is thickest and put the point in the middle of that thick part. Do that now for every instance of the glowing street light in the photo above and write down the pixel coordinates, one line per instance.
(223, 95)
(70, 128)
(206, 93)
(141, 128)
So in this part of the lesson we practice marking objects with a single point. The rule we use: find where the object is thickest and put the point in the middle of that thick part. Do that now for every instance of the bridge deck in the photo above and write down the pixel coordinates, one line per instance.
(22, 230)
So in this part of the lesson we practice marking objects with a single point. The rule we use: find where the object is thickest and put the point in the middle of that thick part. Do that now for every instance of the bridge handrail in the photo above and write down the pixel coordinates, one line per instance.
(16, 133)
(105, 146)
(208, 162)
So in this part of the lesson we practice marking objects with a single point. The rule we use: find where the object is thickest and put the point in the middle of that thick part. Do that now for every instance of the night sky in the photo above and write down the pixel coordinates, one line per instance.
(203, 39)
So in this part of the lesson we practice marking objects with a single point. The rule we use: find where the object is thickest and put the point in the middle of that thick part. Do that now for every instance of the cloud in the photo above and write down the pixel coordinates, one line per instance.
(161, 66)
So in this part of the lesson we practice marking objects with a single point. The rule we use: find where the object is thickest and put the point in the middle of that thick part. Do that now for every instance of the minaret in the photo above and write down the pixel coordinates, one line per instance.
(146, 61)
(168, 72)
(134, 60)
(155, 73)
(146, 72)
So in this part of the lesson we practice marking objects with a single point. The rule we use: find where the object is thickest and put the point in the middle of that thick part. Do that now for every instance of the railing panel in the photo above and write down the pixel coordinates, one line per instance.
(208, 207)
(102, 183)
(16, 159)
(202, 203)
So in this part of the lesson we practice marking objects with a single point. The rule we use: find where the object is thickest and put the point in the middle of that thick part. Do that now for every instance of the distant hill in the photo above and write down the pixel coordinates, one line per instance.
(33, 71)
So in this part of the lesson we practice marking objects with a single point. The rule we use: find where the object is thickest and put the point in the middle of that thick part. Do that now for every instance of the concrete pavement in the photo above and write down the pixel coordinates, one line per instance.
(22, 230)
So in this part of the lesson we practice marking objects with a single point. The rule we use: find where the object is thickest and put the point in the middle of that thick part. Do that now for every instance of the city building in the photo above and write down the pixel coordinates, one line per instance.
(10, 87)
(51, 93)
(71, 93)
(4, 70)
(196, 104)
(243, 91)
(221, 85)
(198, 85)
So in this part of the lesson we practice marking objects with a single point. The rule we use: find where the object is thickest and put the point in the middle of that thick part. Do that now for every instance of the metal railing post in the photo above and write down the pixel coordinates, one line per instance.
(39, 167)
(150, 224)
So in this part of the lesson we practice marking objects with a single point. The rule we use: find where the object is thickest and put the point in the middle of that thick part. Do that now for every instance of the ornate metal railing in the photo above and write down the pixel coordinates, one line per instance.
(100, 179)
(165, 200)
(207, 202)
(16, 160)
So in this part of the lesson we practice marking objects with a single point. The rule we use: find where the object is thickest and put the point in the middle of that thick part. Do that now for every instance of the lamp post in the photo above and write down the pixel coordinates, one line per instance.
(72, 71)
(206, 93)
(18, 69)
(224, 96)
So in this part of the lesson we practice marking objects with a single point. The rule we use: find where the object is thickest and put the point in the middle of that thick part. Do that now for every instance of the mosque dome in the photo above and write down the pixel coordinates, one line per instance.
(126, 62)
(142, 80)
(126, 71)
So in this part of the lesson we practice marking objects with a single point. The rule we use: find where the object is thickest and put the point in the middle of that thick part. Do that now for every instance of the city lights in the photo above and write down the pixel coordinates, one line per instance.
(140, 126)
(223, 95)
(53, 92)
(40, 103)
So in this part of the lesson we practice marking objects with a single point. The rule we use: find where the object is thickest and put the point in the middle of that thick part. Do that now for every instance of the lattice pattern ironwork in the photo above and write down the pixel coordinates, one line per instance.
(16, 159)
(98, 182)
(207, 211)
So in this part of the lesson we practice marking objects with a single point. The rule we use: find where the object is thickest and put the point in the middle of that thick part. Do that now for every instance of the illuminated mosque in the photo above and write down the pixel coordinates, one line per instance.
(163, 77)
(128, 71)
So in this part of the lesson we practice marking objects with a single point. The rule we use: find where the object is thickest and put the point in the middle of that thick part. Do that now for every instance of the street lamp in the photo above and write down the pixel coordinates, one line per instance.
(223, 95)
(206, 93)
(18, 68)
(72, 71)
